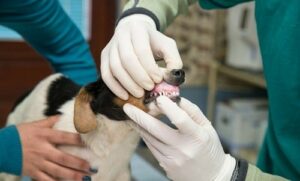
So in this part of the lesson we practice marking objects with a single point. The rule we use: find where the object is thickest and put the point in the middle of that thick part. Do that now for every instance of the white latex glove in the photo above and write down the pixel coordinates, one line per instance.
(192, 152)
(128, 60)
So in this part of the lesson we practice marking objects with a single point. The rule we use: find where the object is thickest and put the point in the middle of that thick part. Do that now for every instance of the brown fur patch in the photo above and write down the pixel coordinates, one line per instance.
(138, 102)
(84, 118)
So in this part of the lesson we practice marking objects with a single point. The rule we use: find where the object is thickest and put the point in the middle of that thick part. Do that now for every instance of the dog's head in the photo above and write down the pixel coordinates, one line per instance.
(96, 98)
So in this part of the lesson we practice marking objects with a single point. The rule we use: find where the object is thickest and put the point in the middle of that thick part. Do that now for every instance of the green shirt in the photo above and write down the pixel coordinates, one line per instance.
(278, 24)
(278, 27)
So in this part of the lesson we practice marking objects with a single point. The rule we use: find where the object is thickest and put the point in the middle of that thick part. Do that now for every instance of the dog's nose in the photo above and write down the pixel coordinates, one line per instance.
(177, 76)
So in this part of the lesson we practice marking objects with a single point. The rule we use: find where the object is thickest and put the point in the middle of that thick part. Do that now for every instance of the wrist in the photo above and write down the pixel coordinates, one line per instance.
(240, 170)
(227, 169)
(137, 18)
(10, 151)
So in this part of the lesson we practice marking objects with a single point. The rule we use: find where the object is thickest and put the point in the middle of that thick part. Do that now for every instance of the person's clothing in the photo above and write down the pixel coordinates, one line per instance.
(10, 151)
(47, 28)
(279, 36)
(255, 173)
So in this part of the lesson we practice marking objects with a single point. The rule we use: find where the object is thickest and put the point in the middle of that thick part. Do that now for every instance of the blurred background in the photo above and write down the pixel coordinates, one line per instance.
(221, 58)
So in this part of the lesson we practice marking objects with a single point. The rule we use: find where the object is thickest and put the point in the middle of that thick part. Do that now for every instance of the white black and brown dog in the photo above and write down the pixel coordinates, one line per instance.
(97, 114)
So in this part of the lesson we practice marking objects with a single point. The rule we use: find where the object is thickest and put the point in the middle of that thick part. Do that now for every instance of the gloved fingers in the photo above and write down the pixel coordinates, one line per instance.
(141, 43)
(131, 62)
(120, 74)
(156, 153)
(165, 72)
(165, 48)
(177, 116)
(193, 111)
(150, 124)
(157, 144)
(107, 76)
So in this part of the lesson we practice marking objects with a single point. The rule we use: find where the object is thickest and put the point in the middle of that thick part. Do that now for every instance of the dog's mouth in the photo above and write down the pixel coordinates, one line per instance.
(163, 89)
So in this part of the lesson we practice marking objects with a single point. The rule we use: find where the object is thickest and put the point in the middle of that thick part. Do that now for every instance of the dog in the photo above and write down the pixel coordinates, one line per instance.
(96, 114)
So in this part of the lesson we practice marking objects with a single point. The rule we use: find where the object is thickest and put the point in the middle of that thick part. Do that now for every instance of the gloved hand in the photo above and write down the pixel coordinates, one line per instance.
(190, 152)
(128, 60)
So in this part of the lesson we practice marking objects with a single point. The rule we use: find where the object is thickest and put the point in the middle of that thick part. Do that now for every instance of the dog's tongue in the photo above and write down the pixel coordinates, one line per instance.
(165, 87)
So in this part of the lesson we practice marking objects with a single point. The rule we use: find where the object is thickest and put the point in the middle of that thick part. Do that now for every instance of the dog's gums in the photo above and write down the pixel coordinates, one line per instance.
(163, 89)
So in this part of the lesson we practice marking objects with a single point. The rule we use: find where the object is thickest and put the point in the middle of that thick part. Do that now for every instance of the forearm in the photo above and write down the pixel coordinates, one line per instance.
(47, 28)
(10, 151)
(163, 11)
(220, 4)
(255, 173)
(244, 171)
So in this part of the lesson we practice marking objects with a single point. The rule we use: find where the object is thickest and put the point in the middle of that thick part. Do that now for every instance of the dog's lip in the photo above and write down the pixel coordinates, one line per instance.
(163, 89)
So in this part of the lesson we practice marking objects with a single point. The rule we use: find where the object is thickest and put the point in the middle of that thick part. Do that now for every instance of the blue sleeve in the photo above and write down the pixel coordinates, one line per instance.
(220, 4)
(49, 30)
(10, 151)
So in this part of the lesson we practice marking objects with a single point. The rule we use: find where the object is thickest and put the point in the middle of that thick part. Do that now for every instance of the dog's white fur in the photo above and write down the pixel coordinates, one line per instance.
(109, 147)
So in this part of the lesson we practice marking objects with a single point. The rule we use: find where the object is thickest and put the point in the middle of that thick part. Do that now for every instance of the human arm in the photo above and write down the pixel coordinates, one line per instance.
(47, 28)
(193, 150)
(163, 12)
(128, 62)
(30, 149)
(10, 151)
(42, 160)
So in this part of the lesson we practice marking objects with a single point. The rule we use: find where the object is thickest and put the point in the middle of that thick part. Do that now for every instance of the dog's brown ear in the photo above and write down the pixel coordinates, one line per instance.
(84, 118)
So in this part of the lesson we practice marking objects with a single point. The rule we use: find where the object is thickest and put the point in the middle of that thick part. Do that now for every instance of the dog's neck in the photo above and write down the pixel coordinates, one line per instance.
(111, 136)
(106, 137)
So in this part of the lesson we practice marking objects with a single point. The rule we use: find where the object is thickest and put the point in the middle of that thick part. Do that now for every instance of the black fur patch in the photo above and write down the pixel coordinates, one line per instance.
(60, 91)
(103, 101)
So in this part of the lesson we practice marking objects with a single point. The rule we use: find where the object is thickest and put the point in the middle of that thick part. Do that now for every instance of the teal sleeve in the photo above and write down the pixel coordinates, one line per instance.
(49, 30)
(220, 4)
(10, 151)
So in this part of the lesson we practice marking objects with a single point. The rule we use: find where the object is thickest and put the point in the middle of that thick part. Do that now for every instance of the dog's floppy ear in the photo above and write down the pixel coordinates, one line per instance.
(84, 117)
